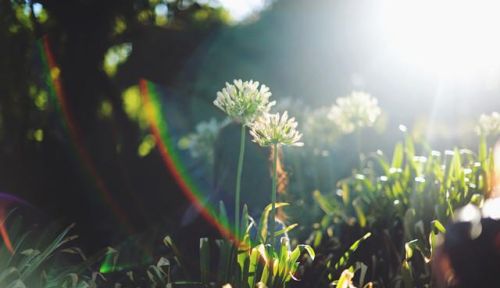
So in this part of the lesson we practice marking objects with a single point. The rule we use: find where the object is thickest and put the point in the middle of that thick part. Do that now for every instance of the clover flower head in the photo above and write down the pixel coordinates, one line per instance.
(318, 129)
(201, 142)
(244, 101)
(271, 129)
(488, 124)
(355, 111)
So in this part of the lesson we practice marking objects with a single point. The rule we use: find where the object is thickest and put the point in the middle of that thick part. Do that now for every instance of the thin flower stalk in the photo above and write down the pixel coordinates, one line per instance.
(238, 182)
(275, 130)
(243, 102)
(273, 195)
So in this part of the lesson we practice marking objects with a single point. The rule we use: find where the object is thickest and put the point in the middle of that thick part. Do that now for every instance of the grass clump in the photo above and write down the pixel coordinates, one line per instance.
(403, 201)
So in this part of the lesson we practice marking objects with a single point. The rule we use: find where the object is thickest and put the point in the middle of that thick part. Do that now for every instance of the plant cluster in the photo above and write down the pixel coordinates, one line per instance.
(488, 124)
(252, 263)
(246, 103)
(381, 226)
(33, 263)
(403, 203)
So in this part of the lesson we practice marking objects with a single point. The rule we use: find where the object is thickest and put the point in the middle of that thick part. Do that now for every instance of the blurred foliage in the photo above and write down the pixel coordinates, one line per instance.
(101, 49)
(115, 56)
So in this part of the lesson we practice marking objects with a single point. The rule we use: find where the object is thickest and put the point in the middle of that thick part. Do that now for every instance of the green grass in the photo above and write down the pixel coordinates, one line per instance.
(402, 201)
(251, 262)
(33, 263)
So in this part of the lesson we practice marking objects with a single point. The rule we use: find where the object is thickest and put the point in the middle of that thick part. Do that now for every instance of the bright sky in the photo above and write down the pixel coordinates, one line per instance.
(240, 9)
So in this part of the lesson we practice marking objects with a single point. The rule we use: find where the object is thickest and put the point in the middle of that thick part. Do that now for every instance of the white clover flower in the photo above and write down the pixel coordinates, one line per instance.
(201, 142)
(355, 111)
(318, 129)
(244, 101)
(271, 129)
(488, 124)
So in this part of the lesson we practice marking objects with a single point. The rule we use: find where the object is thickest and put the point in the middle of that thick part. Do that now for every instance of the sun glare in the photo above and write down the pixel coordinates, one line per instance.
(444, 36)
(240, 9)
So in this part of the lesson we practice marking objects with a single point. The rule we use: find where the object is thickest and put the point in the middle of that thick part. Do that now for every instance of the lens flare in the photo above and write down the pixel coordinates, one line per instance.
(54, 84)
(159, 129)
(3, 230)
(5, 201)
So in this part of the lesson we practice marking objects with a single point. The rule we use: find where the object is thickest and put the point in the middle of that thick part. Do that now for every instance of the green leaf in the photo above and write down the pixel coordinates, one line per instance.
(308, 249)
(264, 219)
(244, 222)
(408, 250)
(483, 149)
(286, 229)
(252, 267)
(477, 199)
(345, 280)
(35, 262)
(283, 257)
(407, 275)
(438, 226)
(358, 208)
(345, 258)
(204, 260)
(383, 163)
(223, 260)
(398, 156)
(7, 273)
(410, 148)
(420, 247)
(16, 284)
(362, 273)
(323, 203)
(245, 278)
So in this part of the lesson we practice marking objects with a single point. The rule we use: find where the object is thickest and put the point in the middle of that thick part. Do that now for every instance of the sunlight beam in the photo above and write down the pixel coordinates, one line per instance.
(444, 36)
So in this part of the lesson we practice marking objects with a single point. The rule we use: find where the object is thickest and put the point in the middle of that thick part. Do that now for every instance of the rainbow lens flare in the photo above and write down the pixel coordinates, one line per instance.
(159, 129)
(51, 72)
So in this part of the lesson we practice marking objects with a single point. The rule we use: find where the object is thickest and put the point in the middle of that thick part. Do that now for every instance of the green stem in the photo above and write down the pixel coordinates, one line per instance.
(238, 183)
(273, 195)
